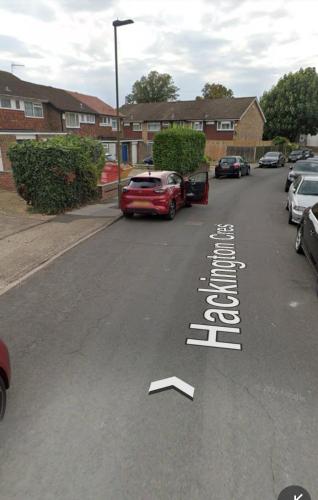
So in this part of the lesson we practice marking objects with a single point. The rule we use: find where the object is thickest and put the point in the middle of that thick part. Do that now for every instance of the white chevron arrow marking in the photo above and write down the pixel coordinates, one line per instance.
(172, 383)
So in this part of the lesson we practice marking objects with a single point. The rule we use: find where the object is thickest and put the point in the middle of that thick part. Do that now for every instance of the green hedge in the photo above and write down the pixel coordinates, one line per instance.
(178, 148)
(57, 174)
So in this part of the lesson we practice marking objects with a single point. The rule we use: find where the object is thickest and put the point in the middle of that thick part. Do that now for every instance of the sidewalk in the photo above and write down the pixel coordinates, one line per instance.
(30, 243)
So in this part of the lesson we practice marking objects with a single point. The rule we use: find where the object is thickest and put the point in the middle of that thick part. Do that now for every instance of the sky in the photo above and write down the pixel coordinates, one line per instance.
(246, 45)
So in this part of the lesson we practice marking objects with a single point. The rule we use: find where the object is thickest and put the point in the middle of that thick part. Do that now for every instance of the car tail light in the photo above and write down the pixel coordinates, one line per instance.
(159, 191)
(236, 165)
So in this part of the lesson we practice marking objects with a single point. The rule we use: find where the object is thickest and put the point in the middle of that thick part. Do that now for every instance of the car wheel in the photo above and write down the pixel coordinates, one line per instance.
(172, 210)
(248, 171)
(299, 240)
(3, 398)
(239, 174)
(286, 187)
(128, 215)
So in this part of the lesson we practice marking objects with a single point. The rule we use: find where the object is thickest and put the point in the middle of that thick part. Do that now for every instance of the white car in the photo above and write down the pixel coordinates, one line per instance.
(302, 193)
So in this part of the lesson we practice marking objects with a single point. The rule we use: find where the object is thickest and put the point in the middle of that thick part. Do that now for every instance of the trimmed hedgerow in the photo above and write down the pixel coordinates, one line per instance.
(178, 148)
(58, 174)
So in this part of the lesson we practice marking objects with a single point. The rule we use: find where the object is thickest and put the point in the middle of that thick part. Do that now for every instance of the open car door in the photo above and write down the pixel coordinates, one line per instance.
(197, 188)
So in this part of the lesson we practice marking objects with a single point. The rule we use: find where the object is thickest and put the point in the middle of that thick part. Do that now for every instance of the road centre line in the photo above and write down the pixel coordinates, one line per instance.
(223, 289)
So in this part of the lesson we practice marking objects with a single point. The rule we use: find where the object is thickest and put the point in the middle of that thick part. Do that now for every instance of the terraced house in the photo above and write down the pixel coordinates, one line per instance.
(32, 111)
(225, 122)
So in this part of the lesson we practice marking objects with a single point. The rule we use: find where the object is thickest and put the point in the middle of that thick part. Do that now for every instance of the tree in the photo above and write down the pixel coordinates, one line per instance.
(291, 106)
(156, 87)
(214, 91)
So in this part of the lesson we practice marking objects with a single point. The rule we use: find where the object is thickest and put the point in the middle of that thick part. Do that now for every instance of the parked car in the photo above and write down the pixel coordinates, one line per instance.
(272, 159)
(302, 193)
(148, 160)
(299, 154)
(300, 168)
(5, 374)
(234, 166)
(307, 236)
(163, 193)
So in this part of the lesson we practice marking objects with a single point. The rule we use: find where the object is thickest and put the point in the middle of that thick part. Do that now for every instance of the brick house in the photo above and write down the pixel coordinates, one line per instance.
(32, 111)
(226, 121)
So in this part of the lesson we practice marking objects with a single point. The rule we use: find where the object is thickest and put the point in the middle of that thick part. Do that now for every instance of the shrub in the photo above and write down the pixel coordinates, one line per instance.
(280, 140)
(180, 149)
(58, 174)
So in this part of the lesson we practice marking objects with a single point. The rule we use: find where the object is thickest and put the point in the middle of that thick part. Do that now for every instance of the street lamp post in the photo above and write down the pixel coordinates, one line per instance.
(116, 25)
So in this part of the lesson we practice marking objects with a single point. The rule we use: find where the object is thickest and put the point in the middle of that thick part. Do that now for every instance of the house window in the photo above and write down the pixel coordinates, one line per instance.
(136, 127)
(33, 109)
(154, 126)
(197, 125)
(165, 124)
(114, 124)
(17, 104)
(5, 103)
(225, 125)
(87, 118)
(72, 120)
(105, 121)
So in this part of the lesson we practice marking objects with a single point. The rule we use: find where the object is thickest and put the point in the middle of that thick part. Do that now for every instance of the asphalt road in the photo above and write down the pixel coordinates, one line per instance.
(88, 335)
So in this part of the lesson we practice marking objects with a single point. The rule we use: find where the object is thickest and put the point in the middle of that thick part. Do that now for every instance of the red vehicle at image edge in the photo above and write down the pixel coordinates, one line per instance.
(163, 193)
(5, 374)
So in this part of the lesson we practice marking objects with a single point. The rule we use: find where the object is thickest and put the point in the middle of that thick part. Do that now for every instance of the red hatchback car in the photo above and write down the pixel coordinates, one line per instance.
(5, 374)
(163, 193)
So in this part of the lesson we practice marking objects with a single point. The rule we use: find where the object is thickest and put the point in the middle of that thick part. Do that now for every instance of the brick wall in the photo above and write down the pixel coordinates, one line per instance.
(92, 130)
(6, 181)
(211, 133)
(5, 141)
(251, 126)
(129, 133)
(12, 119)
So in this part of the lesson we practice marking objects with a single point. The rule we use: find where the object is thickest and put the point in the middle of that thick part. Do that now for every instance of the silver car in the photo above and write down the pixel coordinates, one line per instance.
(303, 193)
(302, 167)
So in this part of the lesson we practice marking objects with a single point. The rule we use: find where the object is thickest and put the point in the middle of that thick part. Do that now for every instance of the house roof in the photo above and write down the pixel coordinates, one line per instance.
(206, 109)
(61, 99)
(94, 103)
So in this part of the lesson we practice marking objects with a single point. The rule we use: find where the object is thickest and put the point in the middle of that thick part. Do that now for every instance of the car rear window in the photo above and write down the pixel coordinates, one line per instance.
(144, 182)
(229, 160)
(309, 188)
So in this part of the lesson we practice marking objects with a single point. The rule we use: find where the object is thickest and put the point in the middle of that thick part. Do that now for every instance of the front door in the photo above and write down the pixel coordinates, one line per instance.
(124, 153)
(197, 188)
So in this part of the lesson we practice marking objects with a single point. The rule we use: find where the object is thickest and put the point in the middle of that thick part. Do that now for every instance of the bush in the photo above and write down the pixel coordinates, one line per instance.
(57, 174)
(180, 149)
(280, 140)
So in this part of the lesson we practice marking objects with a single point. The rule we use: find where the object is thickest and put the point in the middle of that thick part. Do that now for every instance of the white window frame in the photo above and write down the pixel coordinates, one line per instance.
(114, 124)
(87, 118)
(225, 125)
(6, 99)
(153, 126)
(105, 121)
(35, 105)
(136, 126)
(68, 117)
(198, 125)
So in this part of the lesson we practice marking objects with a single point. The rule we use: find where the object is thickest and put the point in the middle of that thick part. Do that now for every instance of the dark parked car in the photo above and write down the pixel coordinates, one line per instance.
(234, 166)
(307, 236)
(272, 159)
(299, 154)
(163, 193)
(300, 168)
(148, 160)
(5, 374)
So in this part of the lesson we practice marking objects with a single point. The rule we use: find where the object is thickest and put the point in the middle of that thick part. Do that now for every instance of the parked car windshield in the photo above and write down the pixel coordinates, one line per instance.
(228, 159)
(270, 154)
(144, 182)
(306, 167)
(309, 188)
(296, 152)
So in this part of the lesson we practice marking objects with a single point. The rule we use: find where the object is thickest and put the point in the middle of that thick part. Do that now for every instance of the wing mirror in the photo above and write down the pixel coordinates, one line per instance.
(290, 167)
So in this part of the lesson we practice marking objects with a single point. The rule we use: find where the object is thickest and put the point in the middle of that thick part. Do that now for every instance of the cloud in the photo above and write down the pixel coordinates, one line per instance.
(86, 5)
(15, 48)
(33, 8)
